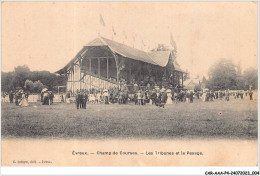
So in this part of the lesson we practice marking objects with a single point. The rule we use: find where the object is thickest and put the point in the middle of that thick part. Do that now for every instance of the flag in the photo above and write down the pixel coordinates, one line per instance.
(114, 32)
(101, 20)
(173, 43)
(143, 42)
(125, 35)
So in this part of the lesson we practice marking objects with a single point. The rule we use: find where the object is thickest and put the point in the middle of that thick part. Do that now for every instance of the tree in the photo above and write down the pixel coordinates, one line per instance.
(250, 77)
(20, 74)
(222, 75)
(21, 77)
(38, 86)
(6, 80)
(28, 85)
(49, 79)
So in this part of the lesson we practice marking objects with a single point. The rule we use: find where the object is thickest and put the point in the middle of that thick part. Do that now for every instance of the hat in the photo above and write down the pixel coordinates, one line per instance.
(163, 89)
(44, 89)
(105, 90)
(168, 91)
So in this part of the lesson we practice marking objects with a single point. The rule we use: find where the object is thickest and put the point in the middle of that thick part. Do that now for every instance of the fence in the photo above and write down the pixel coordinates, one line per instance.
(33, 98)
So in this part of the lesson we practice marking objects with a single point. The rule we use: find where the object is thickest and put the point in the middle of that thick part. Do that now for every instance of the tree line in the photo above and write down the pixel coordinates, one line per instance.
(32, 81)
(224, 74)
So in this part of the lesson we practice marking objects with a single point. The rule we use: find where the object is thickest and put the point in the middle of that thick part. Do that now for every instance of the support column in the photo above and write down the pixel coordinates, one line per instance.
(156, 75)
(117, 69)
(90, 65)
(73, 83)
(178, 79)
(80, 63)
(90, 72)
(182, 80)
(107, 67)
(130, 74)
(98, 66)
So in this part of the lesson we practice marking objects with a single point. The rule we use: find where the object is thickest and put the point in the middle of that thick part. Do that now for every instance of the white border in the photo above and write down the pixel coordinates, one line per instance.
(127, 170)
(119, 170)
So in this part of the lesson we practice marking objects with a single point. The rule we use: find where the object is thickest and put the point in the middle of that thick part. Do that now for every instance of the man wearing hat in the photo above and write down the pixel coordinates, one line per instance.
(153, 96)
(147, 96)
(191, 97)
(84, 99)
(251, 94)
(78, 99)
(11, 96)
(105, 94)
(164, 95)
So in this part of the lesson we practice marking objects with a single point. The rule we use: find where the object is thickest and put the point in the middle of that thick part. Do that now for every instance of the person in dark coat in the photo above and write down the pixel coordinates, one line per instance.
(153, 96)
(251, 95)
(51, 95)
(191, 97)
(158, 97)
(180, 96)
(198, 94)
(11, 96)
(183, 96)
(216, 94)
(78, 99)
(164, 97)
(211, 95)
(147, 96)
(143, 95)
(18, 97)
(207, 96)
(26, 94)
(84, 100)
(135, 99)
(227, 96)
(220, 95)
(81, 101)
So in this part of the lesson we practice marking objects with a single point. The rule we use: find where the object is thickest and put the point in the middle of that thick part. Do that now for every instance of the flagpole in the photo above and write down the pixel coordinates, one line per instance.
(102, 23)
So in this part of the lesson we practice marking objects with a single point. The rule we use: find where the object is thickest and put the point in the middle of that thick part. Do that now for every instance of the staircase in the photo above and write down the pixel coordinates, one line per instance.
(90, 80)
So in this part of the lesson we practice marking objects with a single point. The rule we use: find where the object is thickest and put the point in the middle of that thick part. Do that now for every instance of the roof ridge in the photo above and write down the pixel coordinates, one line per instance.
(101, 38)
(147, 54)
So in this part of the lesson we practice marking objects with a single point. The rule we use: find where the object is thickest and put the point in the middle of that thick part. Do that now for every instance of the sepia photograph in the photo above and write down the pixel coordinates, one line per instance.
(129, 83)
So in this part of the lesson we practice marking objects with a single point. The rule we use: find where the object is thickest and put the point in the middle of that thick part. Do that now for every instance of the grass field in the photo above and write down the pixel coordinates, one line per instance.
(236, 119)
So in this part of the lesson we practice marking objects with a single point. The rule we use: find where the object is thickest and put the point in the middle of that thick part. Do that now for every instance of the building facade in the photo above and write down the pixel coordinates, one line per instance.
(104, 63)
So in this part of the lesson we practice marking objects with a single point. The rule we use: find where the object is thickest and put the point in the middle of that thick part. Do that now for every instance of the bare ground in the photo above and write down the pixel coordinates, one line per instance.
(236, 119)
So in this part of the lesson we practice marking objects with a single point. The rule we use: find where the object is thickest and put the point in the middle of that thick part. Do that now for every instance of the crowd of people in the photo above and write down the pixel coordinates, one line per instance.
(47, 97)
(138, 96)
(19, 97)
(156, 96)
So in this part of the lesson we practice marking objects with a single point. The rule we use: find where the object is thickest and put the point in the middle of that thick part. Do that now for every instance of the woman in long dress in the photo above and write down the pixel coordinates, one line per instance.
(169, 97)
(23, 101)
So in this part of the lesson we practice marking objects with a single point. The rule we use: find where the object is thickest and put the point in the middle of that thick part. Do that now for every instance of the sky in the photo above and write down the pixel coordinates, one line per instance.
(47, 35)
